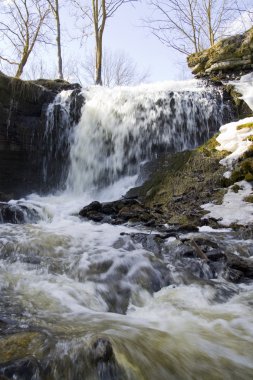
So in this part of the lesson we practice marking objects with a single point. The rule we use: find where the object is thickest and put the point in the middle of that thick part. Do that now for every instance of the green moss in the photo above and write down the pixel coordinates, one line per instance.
(210, 147)
(179, 219)
(249, 177)
(216, 79)
(243, 170)
(248, 153)
(236, 188)
(249, 199)
(246, 125)
(24, 90)
(237, 176)
(19, 345)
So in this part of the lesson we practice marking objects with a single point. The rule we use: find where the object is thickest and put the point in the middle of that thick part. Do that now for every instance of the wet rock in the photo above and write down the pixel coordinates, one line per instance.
(148, 279)
(117, 212)
(236, 264)
(244, 232)
(19, 345)
(150, 242)
(5, 197)
(233, 275)
(103, 358)
(23, 109)
(116, 294)
(215, 255)
(101, 351)
(17, 214)
(23, 369)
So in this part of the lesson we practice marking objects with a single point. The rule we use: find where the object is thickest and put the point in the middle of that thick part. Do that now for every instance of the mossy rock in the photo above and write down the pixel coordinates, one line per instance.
(245, 126)
(228, 58)
(180, 183)
(210, 146)
(244, 168)
(249, 152)
(249, 177)
(236, 188)
(249, 198)
(55, 85)
(179, 219)
(17, 346)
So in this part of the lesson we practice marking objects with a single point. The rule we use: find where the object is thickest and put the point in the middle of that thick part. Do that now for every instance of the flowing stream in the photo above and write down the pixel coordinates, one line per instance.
(94, 303)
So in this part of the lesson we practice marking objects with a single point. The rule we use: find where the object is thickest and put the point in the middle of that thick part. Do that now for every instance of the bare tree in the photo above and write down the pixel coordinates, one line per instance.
(245, 8)
(118, 70)
(176, 24)
(190, 25)
(98, 12)
(21, 27)
(55, 9)
(215, 16)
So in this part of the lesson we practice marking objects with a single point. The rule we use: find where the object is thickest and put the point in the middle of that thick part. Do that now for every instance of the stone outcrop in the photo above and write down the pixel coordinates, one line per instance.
(228, 59)
(23, 106)
(174, 188)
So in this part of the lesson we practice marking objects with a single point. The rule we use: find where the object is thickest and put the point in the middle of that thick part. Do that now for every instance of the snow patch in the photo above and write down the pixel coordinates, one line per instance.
(234, 140)
(233, 209)
(245, 87)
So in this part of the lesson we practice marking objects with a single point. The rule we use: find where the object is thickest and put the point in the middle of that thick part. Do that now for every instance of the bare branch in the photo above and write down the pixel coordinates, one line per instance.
(22, 24)
(190, 25)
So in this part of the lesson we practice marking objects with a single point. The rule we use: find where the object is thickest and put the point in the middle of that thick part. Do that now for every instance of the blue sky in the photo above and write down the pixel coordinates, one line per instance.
(125, 32)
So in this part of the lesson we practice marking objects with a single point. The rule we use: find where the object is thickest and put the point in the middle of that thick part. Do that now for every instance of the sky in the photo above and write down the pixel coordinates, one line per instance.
(125, 32)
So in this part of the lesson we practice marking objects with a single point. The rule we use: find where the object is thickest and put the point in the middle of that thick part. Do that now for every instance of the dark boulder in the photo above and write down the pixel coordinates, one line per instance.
(17, 214)
(117, 212)
(238, 268)
(102, 357)
(23, 147)
(22, 369)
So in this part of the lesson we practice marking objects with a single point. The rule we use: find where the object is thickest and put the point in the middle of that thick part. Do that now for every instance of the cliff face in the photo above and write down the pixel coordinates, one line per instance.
(23, 107)
(228, 59)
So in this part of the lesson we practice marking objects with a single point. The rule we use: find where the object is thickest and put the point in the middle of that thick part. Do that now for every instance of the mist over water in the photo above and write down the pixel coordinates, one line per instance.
(77, 281)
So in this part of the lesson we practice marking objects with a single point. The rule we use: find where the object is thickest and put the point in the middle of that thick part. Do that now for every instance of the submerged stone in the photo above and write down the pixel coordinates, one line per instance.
(17, 214)
(22, 369)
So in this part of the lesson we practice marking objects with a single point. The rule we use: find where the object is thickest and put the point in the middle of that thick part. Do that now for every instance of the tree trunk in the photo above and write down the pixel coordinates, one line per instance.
(21, 65)
(98, 79)
(210, 28)
(58, 40)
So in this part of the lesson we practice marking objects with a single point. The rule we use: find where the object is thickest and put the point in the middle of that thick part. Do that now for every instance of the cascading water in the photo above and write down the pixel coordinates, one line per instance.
(61, 117)
(81, 300)
(122, 127)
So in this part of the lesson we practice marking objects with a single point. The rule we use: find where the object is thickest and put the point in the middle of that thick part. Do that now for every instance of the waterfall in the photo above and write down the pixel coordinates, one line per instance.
(124, 126)
(61, 117)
